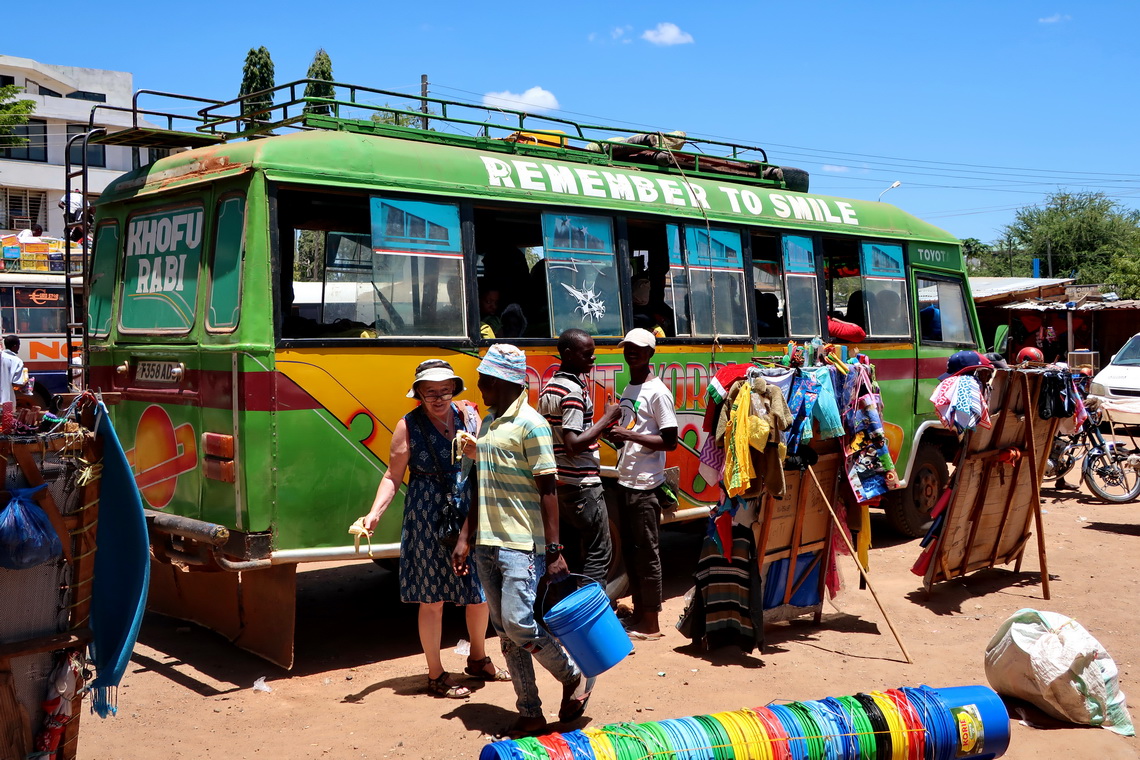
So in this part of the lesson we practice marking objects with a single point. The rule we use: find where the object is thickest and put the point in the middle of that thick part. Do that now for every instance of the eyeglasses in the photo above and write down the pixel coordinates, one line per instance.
(438, 396)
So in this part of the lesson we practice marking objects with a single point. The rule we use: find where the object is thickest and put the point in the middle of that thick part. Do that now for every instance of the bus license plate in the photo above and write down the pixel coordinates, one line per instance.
(158, 372)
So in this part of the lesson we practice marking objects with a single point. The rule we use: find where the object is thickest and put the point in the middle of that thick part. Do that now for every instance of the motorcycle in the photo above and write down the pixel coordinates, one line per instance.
(1109, 468)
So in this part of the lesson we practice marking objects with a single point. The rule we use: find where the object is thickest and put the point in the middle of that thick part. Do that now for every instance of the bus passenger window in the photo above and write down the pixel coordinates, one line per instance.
(802, 286)
(885, 290)
(942, 315)
(417, 268)
(224, 307)
(581, 273)
(767, 284)
(658, 298)
(7, 316)
(511, 274)
(712, 263)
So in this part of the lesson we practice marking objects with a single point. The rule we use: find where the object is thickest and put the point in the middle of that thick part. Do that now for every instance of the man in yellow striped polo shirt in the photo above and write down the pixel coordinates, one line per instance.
(515, 526)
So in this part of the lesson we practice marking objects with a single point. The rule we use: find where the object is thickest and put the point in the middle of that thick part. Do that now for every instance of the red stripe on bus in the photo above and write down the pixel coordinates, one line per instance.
(213, 389)
(904, 369)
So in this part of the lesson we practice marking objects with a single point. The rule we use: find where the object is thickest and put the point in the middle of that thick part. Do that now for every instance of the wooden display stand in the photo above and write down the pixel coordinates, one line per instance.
(995, 503)
(75, 520)
(794, 526)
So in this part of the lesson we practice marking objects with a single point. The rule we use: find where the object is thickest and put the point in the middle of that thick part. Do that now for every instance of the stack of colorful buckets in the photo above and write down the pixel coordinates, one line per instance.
(898, 724)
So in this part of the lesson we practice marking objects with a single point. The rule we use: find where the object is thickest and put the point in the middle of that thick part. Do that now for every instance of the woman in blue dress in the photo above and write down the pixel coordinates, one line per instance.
(421, 444)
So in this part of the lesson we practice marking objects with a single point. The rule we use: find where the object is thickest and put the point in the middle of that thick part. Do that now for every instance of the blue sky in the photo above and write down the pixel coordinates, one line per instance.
(977, 108)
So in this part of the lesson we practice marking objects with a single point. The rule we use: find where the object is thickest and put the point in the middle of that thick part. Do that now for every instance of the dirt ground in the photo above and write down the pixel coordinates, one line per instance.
(357, 689)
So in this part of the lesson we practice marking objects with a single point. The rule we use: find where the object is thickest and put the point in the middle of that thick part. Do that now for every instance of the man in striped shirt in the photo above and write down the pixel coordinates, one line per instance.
(515, 522)
(567, 404)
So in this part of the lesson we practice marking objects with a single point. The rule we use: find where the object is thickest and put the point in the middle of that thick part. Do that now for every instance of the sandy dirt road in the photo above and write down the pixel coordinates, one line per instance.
(357, 690)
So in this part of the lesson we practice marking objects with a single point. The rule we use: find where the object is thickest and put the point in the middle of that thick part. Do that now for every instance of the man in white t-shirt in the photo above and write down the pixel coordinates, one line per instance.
(647, 430)
(12, 370)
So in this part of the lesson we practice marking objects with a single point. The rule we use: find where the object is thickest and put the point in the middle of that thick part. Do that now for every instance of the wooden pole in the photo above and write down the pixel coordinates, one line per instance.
(1035, 478)
(851, 548)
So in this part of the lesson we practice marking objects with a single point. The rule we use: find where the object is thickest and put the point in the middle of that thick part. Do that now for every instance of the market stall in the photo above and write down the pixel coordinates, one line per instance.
(73, 568)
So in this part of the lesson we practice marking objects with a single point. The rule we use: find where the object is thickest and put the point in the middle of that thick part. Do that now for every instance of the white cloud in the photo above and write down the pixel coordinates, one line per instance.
(534, 99)
(837, 169)
(1056, 18)
(667, 33)
(591, 37)
(620, 31)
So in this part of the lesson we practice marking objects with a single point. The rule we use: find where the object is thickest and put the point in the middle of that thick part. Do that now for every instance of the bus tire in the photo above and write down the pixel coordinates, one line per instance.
(46, 400)
(617, 580)
(796, 180)
(908, 509)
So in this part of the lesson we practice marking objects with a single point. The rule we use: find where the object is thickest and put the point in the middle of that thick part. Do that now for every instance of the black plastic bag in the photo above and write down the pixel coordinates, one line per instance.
(27, 538)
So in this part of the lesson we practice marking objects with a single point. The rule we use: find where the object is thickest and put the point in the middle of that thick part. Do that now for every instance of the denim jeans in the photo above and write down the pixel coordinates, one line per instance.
(510, 578)
(585, 530)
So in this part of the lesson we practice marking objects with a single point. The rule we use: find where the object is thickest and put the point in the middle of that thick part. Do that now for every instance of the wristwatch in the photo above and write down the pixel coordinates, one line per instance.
(552, 549)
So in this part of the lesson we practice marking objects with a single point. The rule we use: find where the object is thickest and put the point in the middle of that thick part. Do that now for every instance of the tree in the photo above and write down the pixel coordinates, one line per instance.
(13, 113)
(309, 257)
(1086, 234)
(256, 75)
(396, 119)
(321, 69)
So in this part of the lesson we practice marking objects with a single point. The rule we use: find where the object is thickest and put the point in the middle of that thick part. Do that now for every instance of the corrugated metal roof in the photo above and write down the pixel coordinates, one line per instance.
(1124, 303)
(988, 287)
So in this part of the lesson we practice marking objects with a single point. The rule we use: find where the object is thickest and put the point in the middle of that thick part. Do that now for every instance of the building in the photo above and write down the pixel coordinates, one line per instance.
(32, 176)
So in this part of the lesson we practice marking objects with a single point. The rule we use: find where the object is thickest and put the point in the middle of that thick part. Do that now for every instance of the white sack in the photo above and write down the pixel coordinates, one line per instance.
(1052, 662)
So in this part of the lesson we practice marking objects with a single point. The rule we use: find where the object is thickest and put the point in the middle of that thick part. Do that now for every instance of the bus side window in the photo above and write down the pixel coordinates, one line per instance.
(417, 268)
(581, 273)
(511, 275)
(942, 314)
(659, 297)
(884, 285)
(802, 296)
(708, 263)
(7, 315)
(224, 307)
(767, 288)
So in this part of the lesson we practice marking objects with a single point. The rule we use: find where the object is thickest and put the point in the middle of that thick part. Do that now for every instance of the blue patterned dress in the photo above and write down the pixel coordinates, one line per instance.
(425, 565)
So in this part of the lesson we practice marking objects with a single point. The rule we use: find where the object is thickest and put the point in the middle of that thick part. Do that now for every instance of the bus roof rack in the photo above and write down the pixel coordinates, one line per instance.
(181, 131)
(368, 110)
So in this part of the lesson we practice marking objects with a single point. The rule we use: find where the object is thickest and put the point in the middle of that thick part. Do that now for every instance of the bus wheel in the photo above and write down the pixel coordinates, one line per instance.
(908, 510)
(617, 581)
(46, 400)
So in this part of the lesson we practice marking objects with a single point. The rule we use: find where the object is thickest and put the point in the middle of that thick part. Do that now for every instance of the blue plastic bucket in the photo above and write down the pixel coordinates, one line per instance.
(592, 634)
(980, 720)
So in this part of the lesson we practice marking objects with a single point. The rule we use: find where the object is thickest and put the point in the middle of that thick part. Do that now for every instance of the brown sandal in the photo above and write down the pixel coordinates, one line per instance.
(441, 688)
(478, 669)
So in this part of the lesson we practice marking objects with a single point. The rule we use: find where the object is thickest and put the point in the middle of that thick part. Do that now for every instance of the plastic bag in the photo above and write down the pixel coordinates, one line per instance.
(1051, 661)
(27, 538)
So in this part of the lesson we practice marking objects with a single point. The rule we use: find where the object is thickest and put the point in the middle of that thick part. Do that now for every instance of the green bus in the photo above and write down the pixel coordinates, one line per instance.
(257, 304)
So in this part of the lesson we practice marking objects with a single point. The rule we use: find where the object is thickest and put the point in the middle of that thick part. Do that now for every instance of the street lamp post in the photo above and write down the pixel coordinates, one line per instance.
(894, 184)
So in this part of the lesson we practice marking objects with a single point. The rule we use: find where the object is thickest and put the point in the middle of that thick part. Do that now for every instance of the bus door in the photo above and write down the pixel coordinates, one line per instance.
(156, 358)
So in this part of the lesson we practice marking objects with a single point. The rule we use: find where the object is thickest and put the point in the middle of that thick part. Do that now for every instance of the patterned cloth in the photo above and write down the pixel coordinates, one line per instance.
(960, 403)
(425, 565)
(727, 605)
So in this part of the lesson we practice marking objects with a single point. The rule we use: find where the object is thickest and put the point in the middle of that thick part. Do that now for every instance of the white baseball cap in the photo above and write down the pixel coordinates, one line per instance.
(639, 336)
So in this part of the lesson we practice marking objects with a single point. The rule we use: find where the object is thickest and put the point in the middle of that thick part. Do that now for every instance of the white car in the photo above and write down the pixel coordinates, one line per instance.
(1117, 386)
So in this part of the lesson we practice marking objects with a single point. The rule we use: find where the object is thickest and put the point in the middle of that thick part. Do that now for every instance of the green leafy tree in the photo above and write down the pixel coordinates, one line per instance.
(256, 75)
(395, 119)
(1001, 258)
(321, 69)
(13, 113)
(1085, 233)
(309, 256)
